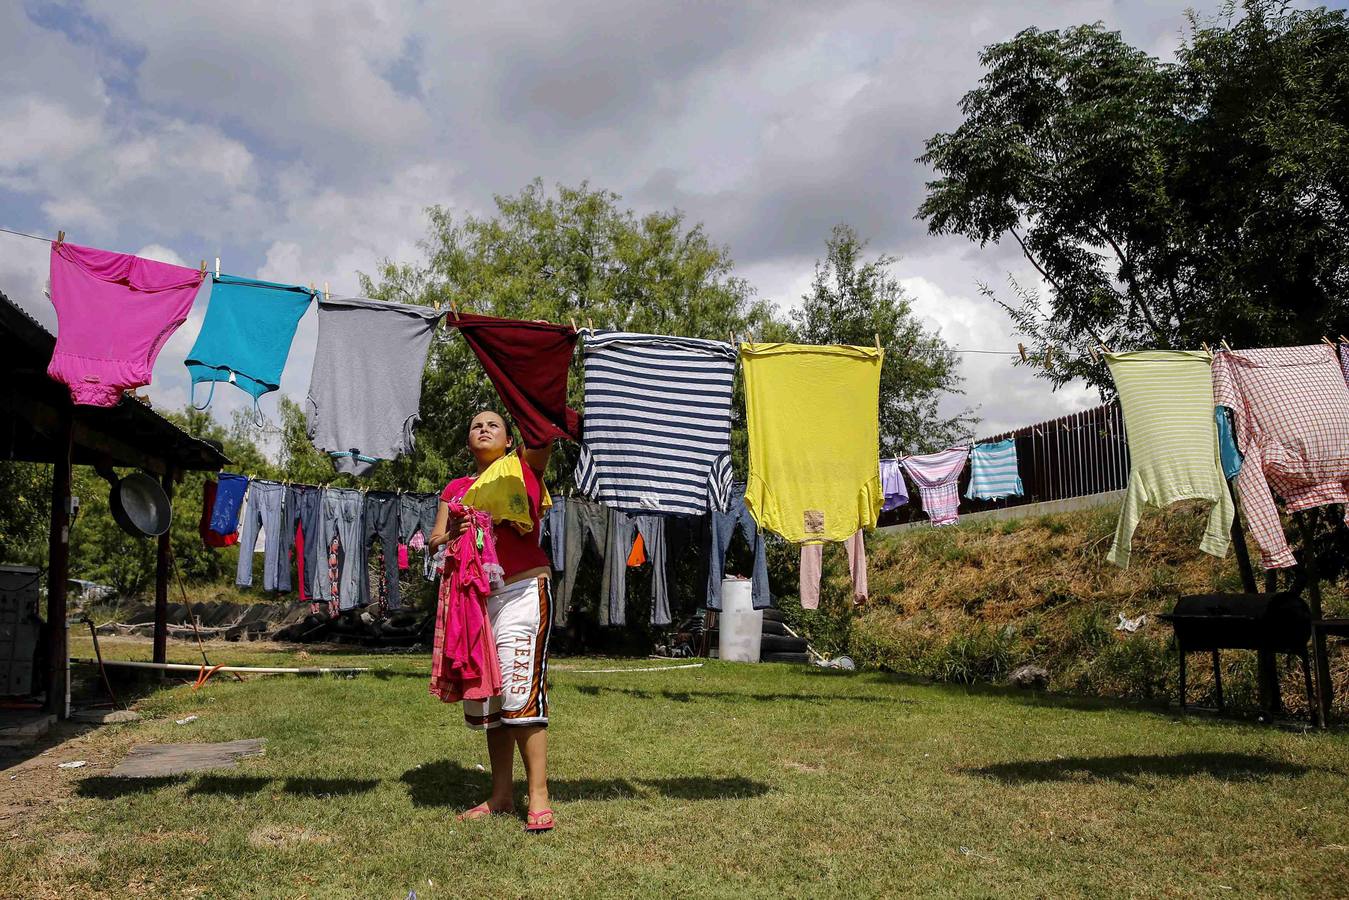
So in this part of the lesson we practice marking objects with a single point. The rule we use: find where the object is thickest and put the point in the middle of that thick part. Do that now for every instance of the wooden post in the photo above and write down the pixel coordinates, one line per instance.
(58, 563)
(162, 580)
(1271, 699)
(1324, 689)
(1243, 556)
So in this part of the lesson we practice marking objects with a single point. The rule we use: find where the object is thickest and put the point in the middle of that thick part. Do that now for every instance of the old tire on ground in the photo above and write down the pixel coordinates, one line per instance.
(772, 643)
(785, 657)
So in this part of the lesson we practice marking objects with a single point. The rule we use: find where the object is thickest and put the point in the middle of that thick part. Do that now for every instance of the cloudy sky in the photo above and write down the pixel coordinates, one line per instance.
(301, 141)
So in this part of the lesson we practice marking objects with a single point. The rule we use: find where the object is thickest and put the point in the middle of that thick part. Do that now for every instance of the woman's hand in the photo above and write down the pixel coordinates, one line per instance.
(457, 525)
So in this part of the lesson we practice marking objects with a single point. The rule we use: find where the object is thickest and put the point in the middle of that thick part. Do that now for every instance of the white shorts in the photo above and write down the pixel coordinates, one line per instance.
(522, 621)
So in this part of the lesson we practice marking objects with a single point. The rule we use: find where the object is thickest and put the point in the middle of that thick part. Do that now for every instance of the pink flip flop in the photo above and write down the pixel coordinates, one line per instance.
(537, 822)
(482, 811)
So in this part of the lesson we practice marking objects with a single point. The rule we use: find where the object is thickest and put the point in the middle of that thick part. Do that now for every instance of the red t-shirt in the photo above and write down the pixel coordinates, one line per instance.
(517, 552)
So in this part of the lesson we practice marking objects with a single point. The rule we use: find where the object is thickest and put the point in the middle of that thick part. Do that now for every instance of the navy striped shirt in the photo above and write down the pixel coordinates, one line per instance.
(657, 421)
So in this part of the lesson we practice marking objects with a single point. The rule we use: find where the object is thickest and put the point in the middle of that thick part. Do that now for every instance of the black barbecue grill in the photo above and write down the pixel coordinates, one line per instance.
(1266, 623)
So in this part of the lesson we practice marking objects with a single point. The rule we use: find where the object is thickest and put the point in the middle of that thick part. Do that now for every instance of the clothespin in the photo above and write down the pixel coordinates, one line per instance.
(217, 267)
(590, 322)
(1205, 346)
(1227, 346)
(1344, 340)
(1328, 342)
(877, 336)
(454, 308)
(573, 323)
(326, 295)
(60, 237)
(1095, 357)
(203, 268)
(312, 289)
(1049, 357)
(1021, 348)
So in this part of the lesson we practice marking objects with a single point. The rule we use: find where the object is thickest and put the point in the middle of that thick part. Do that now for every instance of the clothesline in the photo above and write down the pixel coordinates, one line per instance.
(38, 237)
(47, 240)
(1020, 351)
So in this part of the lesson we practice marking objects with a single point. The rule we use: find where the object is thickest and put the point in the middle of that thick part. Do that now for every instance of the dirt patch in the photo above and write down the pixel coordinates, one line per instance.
(161, 836)
(803, 767)
(31, 782)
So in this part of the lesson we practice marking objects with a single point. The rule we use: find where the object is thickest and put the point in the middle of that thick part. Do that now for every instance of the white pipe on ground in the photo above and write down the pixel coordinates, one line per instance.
(255, 670)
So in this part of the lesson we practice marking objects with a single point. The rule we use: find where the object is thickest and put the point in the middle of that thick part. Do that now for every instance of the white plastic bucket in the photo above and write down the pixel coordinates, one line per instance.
(739, 624)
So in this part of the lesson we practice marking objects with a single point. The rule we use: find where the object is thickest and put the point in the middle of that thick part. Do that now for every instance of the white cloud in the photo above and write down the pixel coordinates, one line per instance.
(40, 130)
(301, 142)
(299, 76)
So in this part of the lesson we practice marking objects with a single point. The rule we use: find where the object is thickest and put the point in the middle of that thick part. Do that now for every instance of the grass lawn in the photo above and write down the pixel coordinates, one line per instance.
(728, 780)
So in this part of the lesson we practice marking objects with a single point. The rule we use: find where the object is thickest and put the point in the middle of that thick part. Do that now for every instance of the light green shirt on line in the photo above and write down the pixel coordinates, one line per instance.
(1167, 397)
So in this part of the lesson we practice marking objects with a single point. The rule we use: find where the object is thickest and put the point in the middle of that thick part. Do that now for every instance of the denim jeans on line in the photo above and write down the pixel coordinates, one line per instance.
(724, 525)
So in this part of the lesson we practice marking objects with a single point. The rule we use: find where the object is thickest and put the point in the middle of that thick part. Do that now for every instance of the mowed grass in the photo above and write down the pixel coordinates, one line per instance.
(727, 780)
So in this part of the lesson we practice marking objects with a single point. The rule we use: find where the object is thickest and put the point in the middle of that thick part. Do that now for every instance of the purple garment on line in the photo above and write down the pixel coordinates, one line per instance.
(893, 488)
(938, 478)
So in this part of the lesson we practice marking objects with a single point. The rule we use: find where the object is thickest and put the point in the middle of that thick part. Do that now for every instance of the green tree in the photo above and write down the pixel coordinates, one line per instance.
(25, 512)
(576, 255)
(857, 301)
(1164, 204)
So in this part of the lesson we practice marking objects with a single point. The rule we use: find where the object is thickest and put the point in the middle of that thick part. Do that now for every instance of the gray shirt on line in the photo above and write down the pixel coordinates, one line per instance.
(365, 390)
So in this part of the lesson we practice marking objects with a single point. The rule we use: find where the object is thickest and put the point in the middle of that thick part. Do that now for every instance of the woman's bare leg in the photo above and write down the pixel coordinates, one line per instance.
(533, 740)
(501, 752)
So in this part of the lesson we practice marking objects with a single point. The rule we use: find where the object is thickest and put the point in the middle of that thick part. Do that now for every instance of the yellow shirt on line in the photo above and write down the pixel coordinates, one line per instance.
(814, 438)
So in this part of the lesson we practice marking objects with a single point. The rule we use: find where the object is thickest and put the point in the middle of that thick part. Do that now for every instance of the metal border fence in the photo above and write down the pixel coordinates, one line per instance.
(1076, 455)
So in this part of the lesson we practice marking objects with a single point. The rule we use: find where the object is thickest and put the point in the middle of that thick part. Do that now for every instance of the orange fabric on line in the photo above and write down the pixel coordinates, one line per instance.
(638, 554)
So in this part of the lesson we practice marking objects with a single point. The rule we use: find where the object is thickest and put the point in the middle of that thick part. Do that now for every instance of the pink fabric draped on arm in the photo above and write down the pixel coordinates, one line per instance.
(464, 664)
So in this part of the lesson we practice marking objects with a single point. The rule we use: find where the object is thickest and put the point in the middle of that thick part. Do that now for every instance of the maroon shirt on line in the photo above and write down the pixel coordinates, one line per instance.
(527, 363)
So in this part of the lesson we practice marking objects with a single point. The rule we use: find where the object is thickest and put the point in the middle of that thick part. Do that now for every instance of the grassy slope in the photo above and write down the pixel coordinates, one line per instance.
(970, 602)
(721, 781)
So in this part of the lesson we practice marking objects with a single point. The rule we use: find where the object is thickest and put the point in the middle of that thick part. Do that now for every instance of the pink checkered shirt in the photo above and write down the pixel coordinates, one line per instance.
(1290, 416)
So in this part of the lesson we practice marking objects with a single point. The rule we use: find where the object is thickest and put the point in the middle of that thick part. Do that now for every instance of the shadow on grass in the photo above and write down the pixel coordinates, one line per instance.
(1128, 768)
(447, 783)
(106, 787)
(228, 785)
(592, 690)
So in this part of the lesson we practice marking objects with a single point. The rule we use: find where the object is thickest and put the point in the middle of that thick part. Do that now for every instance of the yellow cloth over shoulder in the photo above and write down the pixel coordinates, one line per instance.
(501, 493)
(814, 438)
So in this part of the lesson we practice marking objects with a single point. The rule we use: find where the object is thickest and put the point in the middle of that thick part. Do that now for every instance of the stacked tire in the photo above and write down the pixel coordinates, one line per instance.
(777, 644)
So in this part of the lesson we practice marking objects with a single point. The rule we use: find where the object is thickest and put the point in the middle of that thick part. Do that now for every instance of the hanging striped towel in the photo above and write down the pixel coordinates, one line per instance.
(938, 478)
(993, 471)
(657, 421)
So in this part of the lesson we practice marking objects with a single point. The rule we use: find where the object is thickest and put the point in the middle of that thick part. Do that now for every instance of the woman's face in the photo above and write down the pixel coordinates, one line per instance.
(487, 437)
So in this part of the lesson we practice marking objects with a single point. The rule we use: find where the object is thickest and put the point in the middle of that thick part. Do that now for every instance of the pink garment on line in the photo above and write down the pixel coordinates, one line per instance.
(812, 562)
(938, 478)
(1290, 419)
(464, 662)
(418, 541)
(402, 556)
(114, 313)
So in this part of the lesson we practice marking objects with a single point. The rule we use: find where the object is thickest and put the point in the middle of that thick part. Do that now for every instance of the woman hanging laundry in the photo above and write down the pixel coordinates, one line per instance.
(509, 486)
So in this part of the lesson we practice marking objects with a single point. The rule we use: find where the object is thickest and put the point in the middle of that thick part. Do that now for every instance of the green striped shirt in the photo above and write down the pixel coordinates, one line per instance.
(1167, 396)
